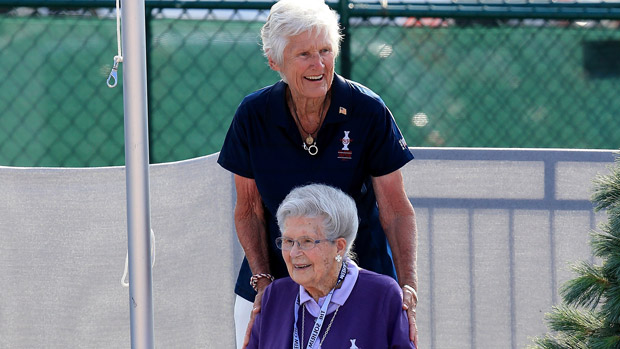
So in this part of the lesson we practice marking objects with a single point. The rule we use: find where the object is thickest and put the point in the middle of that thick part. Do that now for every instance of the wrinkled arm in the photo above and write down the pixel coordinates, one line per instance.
(398, 221)
(252, 234)
(251, 225)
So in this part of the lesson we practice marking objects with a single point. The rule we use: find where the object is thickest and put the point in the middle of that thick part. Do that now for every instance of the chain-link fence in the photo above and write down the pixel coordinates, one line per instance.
(499, 75)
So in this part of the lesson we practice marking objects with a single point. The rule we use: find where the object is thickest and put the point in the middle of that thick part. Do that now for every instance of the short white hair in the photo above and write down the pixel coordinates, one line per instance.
(289, 18)
(337, 209)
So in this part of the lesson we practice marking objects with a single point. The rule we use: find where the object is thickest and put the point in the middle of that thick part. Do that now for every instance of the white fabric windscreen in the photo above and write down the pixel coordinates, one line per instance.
(497, 229)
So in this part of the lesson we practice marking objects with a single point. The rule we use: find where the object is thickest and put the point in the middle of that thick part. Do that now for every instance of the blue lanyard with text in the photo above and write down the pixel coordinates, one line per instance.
(319, 320)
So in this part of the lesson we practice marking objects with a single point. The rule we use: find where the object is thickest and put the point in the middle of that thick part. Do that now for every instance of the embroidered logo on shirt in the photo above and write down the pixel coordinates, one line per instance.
(346, 141)
(403, 143)
(342, 110)
(353, 346)
(345, 153)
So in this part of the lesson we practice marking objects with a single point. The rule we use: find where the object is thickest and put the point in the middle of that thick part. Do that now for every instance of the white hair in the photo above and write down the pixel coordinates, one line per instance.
(288, 18)
(319, 200)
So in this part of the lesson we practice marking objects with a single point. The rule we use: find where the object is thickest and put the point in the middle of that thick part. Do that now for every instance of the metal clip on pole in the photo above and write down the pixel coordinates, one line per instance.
(112, 78)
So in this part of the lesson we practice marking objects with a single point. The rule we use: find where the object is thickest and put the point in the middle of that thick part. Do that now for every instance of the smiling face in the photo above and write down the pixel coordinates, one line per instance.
(315, 269)
(307, 65)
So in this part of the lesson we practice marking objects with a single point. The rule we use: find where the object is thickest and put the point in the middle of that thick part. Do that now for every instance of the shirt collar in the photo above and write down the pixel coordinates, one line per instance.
(340, 295)
(338, 109)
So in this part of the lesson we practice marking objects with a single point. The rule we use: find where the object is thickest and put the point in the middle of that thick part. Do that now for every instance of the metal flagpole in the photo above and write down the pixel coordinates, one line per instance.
(137, 174)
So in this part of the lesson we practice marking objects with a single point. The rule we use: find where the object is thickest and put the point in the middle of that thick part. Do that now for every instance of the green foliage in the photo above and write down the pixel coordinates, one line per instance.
(604, 243)
(590, 314)
(587, 289)
(559, 342)
(606, 341)
(572, 328)
(607, 189)
(611, 307)
(575, 323)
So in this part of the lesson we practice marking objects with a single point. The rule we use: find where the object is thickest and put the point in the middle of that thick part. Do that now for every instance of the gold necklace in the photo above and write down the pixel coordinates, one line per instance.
(303, 317)
(310, 142)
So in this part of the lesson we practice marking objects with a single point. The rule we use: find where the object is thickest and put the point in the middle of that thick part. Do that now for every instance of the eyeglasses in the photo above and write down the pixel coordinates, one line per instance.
(304, 243)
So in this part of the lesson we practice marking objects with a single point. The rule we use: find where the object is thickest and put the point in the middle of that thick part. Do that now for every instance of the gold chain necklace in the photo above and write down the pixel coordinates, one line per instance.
(310, 142)
(303, 318)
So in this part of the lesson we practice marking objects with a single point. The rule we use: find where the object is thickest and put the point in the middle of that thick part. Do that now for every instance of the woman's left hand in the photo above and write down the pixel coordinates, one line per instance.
(398, 221)
(410, 301)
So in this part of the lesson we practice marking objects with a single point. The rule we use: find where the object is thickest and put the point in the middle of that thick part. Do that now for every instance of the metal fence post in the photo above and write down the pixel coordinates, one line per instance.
(137, 175)
(148, 17)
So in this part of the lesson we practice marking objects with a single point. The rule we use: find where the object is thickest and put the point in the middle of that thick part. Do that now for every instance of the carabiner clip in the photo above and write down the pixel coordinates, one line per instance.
(112, 78)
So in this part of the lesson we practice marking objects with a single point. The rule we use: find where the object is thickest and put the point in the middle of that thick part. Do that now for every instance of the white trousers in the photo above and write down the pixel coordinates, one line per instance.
(243, 310)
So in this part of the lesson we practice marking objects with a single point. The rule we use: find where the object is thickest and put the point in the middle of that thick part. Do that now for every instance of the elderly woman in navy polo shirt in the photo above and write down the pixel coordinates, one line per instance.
(327, 302)
(314, 126)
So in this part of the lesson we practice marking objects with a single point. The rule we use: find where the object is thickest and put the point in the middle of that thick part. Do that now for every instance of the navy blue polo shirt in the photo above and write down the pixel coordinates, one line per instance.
(358, 139)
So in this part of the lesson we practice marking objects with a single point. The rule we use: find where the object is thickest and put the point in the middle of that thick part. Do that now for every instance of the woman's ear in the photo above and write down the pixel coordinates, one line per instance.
(341, 245)
(272, 64)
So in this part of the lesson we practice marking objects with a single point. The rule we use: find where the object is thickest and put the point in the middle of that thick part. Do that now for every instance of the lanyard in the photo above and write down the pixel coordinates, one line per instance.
(319, 320)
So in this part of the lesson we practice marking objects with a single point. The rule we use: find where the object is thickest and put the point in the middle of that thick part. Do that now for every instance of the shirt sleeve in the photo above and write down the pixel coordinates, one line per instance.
(235, 153)
(254, 336)
(388, 150)
(256, 327)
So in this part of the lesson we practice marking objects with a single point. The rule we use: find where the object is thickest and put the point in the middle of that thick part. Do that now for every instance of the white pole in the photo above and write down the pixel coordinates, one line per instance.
(137, 174)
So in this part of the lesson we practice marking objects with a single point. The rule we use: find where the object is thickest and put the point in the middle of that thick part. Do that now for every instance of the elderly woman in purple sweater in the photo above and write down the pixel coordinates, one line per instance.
(328, 301)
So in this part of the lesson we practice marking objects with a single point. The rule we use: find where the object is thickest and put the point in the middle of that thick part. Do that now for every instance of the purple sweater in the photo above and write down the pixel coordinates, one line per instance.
(372, 317)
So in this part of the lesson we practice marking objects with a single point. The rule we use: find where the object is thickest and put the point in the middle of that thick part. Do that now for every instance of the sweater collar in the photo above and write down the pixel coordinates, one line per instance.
(339, 297)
